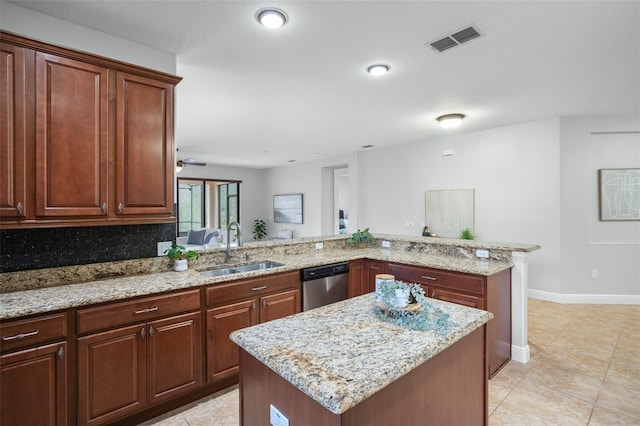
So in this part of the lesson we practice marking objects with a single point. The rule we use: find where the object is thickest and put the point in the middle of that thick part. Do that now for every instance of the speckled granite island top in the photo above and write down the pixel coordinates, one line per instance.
(341, 354)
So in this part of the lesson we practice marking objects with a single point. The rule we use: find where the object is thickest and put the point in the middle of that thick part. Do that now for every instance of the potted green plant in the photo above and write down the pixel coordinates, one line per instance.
(259, 229)
(180, 256)
(466, 234)
(360, 238)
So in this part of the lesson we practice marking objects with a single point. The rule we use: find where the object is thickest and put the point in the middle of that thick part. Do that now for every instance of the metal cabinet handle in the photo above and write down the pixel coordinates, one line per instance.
(433, 295)
(104, 208)
(143, 333)
(262, 287)
(253, 306)
(20, 336)
(20, 208)
(120, 208)
(146, 311)
(151, 330)
(264, 303)
(61, 353)
(427, 277)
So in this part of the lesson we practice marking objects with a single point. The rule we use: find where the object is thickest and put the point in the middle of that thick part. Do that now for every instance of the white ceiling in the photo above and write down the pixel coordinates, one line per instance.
(255, 97)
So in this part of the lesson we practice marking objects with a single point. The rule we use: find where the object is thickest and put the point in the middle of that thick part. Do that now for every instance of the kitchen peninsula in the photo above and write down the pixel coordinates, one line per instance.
(342, 364)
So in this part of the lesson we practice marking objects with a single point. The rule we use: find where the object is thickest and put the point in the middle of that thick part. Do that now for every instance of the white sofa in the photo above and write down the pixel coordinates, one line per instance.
(196, 239)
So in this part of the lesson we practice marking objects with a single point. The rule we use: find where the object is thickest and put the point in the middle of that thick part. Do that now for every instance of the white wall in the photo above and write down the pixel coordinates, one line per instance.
(252, 196)
(534, 183)
(45, 28)
(315, 181)
(612, 248)
(514, 171)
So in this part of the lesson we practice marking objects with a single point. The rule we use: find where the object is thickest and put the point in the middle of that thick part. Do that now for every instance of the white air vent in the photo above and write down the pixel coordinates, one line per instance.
(455, 39)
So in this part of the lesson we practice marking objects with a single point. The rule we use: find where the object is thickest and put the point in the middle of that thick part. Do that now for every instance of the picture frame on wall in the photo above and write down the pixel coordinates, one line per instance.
(287, 208)
(619, 194)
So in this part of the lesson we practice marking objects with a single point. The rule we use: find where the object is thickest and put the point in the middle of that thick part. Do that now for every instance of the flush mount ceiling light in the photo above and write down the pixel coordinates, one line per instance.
(450, 121)
(271, 18)
(378, 69)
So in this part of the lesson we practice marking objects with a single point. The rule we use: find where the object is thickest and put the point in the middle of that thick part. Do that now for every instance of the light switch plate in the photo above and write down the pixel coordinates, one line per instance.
(276, 418)
(386, 244)
(319, 246)
(482, 253)
(162, 246)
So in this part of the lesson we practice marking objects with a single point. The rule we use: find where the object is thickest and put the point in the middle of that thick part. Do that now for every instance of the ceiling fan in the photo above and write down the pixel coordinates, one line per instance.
(188, 162)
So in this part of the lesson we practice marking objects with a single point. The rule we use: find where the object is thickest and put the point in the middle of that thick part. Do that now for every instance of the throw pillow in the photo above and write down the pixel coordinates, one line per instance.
(196, 237)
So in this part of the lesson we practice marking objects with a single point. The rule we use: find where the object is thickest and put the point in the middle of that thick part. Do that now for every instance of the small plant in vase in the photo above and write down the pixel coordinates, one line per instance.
(180, 256)
(259, 229)
(361, 239)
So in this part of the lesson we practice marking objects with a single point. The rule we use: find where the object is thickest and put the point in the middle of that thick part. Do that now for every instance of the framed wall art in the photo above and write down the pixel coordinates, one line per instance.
(619, 194)
(287, 208)
(448, 211)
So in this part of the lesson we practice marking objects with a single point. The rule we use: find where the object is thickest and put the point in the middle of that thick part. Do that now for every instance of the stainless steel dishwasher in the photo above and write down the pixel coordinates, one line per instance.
(324, 284)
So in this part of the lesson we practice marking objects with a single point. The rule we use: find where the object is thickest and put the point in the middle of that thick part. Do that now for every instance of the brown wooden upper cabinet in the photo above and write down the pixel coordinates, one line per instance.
(83, 138)
(15, 109)
(72, 117)
(144, 148)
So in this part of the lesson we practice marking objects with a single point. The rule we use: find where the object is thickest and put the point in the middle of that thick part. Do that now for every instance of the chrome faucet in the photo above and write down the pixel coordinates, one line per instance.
(229, 256)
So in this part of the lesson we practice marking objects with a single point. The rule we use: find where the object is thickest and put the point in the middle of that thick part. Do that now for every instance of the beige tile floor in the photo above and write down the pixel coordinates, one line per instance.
(584, 370)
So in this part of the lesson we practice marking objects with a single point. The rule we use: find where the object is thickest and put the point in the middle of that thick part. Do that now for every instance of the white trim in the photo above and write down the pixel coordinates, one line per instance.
(595, 299)
(520, 350)
(521, 354)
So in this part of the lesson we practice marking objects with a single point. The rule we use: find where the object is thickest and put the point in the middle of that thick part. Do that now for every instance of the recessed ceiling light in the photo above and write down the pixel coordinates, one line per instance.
(378, 69)
(450, 121)
(271, 18)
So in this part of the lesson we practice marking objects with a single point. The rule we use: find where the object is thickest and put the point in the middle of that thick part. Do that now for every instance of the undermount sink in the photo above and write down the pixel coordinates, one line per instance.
(228, 270)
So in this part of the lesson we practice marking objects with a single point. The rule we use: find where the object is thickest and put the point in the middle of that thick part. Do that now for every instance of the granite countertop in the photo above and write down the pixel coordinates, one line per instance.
(348, 353)
(42, 300)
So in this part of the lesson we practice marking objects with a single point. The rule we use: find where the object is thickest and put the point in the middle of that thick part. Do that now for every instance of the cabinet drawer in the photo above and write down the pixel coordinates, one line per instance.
(453, 280)
(458, 298)
(252, 287)
(117, 314)
(32, 331)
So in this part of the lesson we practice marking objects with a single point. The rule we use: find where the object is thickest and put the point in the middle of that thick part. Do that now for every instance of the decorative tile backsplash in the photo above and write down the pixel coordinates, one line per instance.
(24, 249)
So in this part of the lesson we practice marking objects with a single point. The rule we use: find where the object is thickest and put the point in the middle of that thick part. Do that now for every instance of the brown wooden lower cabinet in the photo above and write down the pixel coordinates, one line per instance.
(122, 371)
(362, 275)
(491, 293)
(33, 371)
(274, 297)
(33, 386)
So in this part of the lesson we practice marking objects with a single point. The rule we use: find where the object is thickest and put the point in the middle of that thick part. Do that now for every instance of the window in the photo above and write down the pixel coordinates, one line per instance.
(207, 203)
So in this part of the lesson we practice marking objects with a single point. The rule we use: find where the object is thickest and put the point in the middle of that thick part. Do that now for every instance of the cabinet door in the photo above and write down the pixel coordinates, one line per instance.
(15, 111)
(144, 150)
(222, 353)
(71, 137)
(33, 386)
(372, 268)
(174, 353)
(279, 305)
(356, 272)
(111, 374)
(459, 298)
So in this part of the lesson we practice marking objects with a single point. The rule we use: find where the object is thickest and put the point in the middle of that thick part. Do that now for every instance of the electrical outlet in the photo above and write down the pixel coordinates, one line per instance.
(386, 244)
(276, 418)
(482, 253)
(162, 246)
(594, 273)
(319, 245)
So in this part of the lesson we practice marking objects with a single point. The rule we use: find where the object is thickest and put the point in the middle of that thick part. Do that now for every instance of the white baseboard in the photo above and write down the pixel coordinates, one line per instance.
(588, 299)
(521, 354)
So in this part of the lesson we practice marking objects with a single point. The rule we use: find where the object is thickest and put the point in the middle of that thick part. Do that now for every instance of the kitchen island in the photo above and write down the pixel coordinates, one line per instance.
(342, 364)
